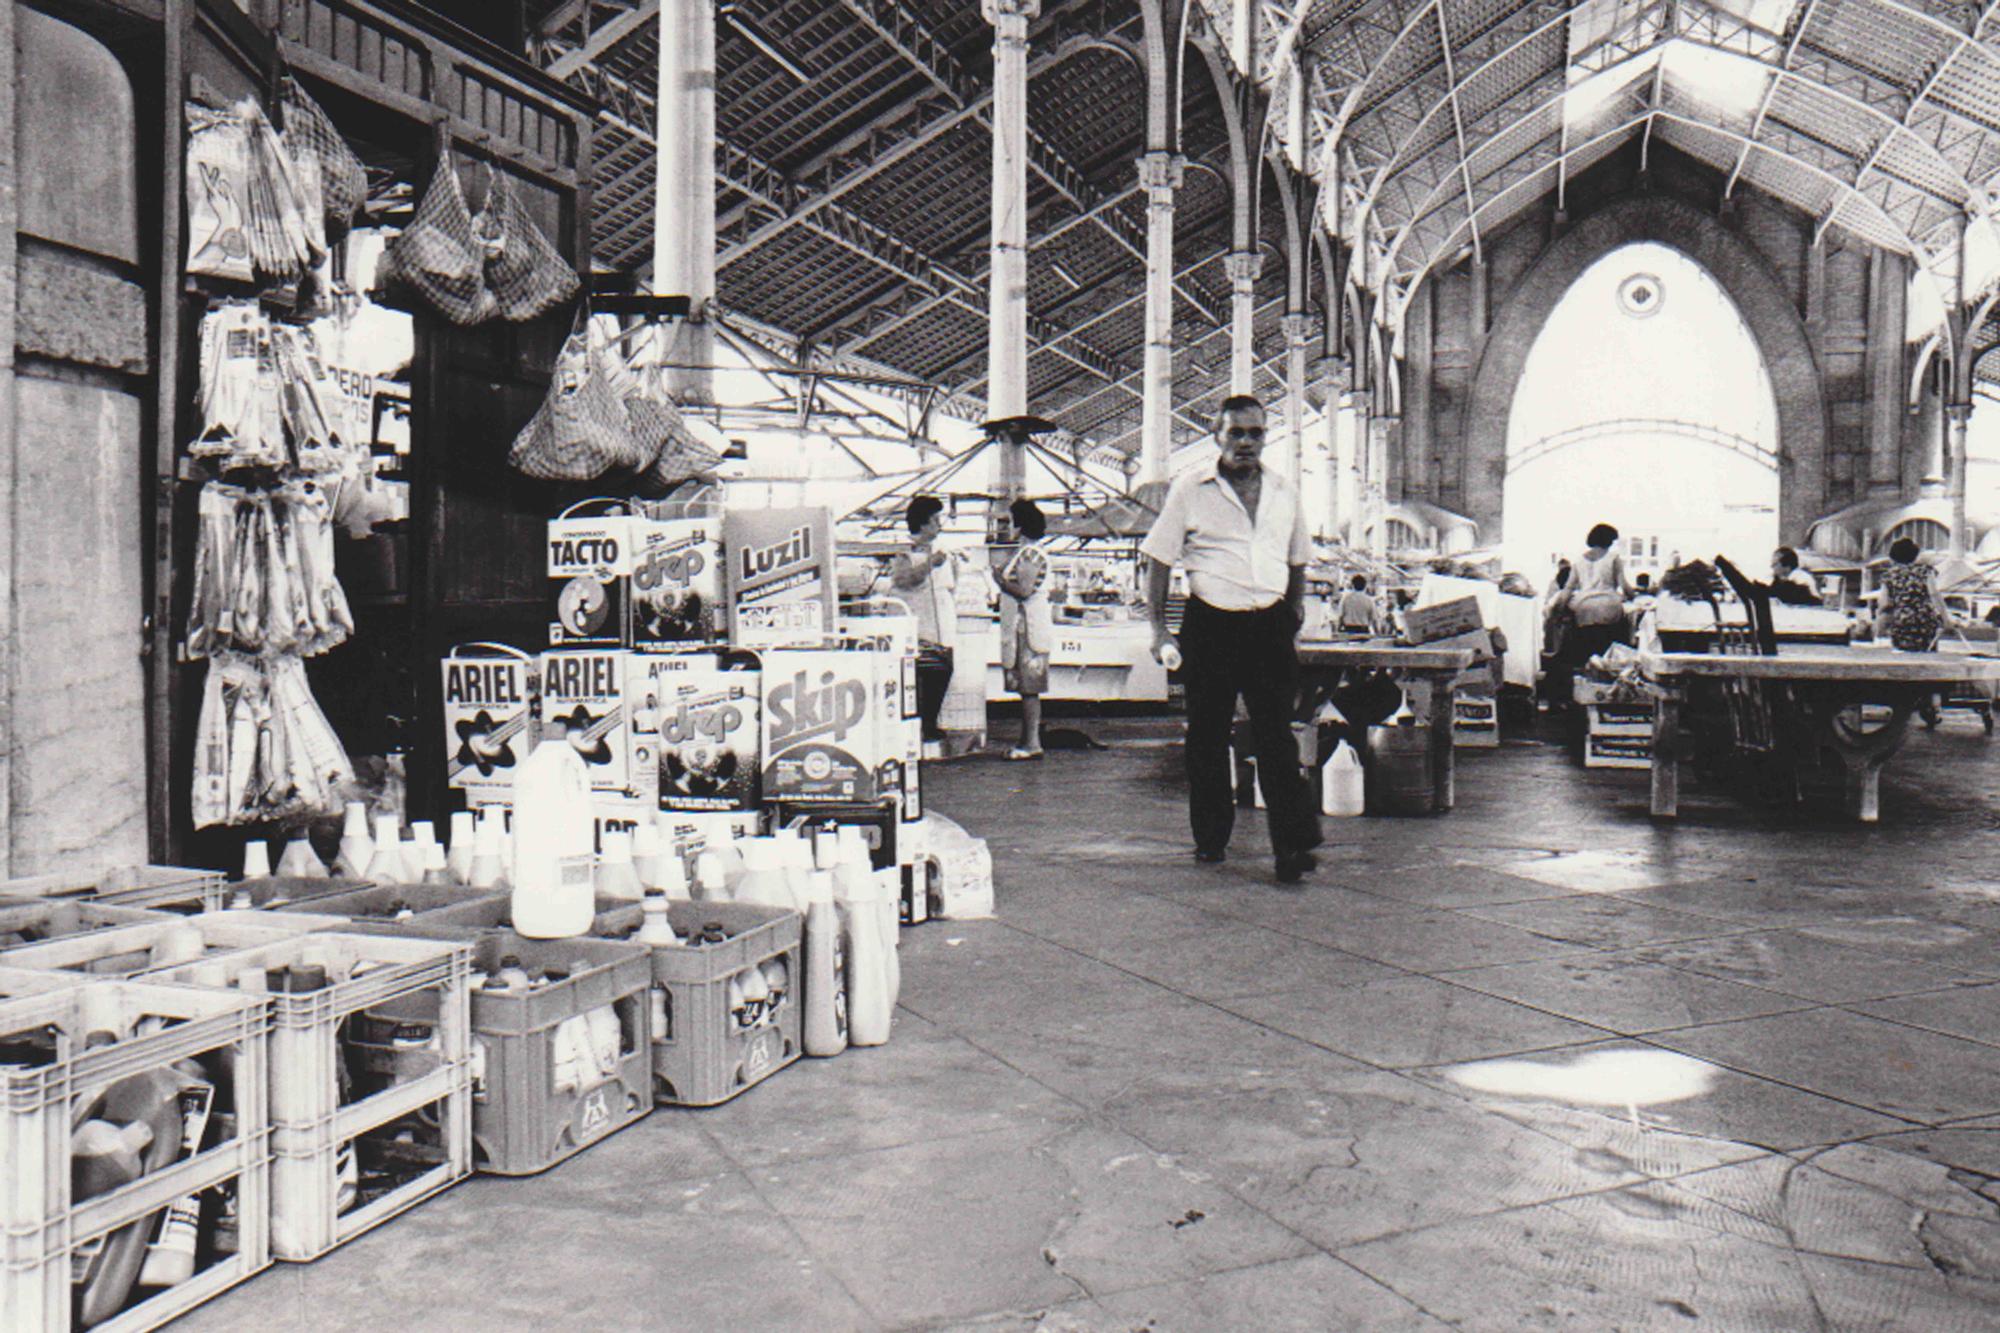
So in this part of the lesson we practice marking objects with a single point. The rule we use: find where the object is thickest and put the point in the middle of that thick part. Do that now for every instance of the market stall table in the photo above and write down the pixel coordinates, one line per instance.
(1830, 682)
(1436, 669)
(1690, 626)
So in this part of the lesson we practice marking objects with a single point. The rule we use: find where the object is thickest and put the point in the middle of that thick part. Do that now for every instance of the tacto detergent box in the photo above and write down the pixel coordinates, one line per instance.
(584, 697)
(822, 727)
(590, 578)
(781, 577)
(699, 712)
(489, 717)
(676, 589)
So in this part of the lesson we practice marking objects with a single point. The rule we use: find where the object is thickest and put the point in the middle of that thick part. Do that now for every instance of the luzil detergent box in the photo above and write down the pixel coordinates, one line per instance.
(590, 577)
(583, 697)
(822, 727)
(700, 711)
(782, 591)
(676, 582)
(489, 716)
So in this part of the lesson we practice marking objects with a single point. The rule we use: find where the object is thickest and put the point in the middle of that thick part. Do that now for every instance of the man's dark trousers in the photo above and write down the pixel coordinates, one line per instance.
(1227, 653)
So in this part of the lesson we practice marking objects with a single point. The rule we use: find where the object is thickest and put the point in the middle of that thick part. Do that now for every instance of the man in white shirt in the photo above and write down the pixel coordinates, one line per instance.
(927, 580)
(1237, 529)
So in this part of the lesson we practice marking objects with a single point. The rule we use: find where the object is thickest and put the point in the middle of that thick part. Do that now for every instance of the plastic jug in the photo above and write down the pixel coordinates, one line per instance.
(435, 869)
(826, 981)
(463, 842)
(1341, 783)
(856, 868)
(764, 878)
(489, 854)
(256, 859)
(868, 1008)
(617, 876)
(796, 860)
(552, 836)
(385, 860)
(356, 849)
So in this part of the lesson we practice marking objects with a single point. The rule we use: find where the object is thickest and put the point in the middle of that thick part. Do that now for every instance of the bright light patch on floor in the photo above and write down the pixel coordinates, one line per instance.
(1627, 1078)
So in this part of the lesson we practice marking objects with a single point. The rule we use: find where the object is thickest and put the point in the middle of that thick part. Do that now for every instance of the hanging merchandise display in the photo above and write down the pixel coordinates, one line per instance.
(218, 182)
(263, 749)
(263, 576)
(343, 183)
(579, 433)
(656, 421)
(473, 268)
(267, 397)
(527, 276)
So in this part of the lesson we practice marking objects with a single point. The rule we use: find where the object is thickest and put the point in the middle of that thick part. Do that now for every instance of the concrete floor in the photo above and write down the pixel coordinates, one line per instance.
(1536, 1064)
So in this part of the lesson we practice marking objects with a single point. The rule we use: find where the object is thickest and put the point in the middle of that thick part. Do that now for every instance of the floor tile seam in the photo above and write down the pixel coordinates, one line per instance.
(820, 1261)
(843, 1154)
(1294, 935)
(1849, 1007)
(1786, 1083)
(1682, 966)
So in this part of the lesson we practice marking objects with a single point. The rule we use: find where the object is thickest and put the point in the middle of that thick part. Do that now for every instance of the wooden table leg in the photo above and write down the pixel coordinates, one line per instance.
(1444, 706)
(1666, 756)
(1865, 753)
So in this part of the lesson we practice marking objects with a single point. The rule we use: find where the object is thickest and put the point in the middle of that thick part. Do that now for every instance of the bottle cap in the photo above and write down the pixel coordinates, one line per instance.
(256, 859)
(486, 835)
(355, 824)
(388, 830)
(646, 840)
(673, 876)
(820, 887)
(708, 872)
(461, 826)
(854, 846)
(423, 832)
(826, 848)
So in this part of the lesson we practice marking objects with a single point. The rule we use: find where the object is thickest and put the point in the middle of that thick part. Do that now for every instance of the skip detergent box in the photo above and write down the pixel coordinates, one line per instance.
(700, 713)
(584, 694)
(490, 692)
(781, 577)
(824, 731)
(676, 585)
(590, 576)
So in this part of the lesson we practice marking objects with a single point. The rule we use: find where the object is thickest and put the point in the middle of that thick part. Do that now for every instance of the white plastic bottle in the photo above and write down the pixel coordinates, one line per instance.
(464, 841)
(855, 865)
(795, 860)
(617, 877)
(648, 851)
(1341, 789)
(435, 870)
(654, 927)
(385, 861)
(711, 881)
(763, 879)
(489, 854)
(256, 859)
(552, 837)
(356, 849)
(825, 980)
(868, 1007)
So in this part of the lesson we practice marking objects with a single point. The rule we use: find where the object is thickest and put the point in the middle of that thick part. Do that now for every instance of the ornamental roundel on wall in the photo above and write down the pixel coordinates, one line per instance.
(1641, 295)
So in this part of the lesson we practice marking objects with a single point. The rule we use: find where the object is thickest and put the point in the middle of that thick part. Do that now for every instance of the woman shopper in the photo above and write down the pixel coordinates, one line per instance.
(1597, 594)
(1913, 610)
(1027, 626)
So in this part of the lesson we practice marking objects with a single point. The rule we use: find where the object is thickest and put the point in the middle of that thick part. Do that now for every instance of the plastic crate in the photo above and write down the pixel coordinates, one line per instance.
(398, 981)
(126, 951)
(43, 1225)
(521, 1123)
(487, 912)
(378, 905)
(1618, 735)
(37, 920)
(264, 894)
(130, 886)
(706, 1057)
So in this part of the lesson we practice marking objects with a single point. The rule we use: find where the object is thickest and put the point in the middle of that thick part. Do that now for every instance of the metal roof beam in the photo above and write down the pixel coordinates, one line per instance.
(1458, 127)
(1805, 17)
(600, 41)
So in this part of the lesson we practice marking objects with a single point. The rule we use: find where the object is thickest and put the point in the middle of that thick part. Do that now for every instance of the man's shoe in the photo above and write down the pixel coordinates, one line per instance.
(1210, 856)
(1295, 866)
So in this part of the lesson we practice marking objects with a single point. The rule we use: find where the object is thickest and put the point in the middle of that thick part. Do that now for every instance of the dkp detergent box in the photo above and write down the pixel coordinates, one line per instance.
(830, 727)
(584, 697)
(490, 694)
(699, 712)
(781, 577)
(676, 589)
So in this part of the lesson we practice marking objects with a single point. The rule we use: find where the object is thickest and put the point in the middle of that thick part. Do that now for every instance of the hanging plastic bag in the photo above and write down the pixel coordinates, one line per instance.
(218, 187)
(524, 271)
(579, 433)
(439, 255)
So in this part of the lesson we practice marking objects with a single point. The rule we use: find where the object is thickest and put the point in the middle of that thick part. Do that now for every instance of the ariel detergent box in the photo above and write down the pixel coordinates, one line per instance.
(584, 696)
(676, 582)
(490, 692)
(781, 577)
(700, 713)
(831, 726)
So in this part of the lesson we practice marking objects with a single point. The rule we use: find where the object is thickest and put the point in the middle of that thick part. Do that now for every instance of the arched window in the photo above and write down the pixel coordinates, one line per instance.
(1402, 536)
(1928, 534)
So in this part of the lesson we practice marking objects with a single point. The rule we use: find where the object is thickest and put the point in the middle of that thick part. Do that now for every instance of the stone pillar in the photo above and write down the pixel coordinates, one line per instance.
(1298, 326)
(1244, 266)
(1419, 325)
(1956, 416)
(684, 197)
(1378, 489)
(1477, 303)
(1161, 174)
(1887, 296)
(1007, 293)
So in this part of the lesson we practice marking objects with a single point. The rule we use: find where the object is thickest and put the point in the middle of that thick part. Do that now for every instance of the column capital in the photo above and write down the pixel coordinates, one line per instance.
(1162, 172)
(1244, 265)
(1299, 327)
(1958, 413)
(1002, 14)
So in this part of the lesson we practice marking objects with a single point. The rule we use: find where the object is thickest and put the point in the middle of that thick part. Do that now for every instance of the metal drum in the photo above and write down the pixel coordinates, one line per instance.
(1400, 776)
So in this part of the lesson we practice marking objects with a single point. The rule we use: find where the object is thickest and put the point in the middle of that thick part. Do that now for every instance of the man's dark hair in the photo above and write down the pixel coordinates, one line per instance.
(1644, 581)
(1028, 519)
(1237, 402)
(1787, 558)
(922, 510)
(1903, 551)
(1358, 583)
(1602, 535)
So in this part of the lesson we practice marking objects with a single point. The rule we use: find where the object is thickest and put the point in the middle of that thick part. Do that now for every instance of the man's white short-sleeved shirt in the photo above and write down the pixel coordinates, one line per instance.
(1233, 563)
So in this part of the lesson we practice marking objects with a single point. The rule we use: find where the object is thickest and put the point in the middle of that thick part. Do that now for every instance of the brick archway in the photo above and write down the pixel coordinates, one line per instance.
(1766, 307)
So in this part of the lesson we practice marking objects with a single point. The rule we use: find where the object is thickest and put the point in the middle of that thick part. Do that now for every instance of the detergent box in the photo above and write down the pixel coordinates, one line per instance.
(831, 726)
(590, 578)
(698, 712)
(676, 589)
(782, 591)
(584, 695)
(490, 693)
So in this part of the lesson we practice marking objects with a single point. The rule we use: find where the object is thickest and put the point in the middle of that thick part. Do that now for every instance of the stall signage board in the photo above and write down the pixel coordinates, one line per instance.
(590, 581)
(782, 590)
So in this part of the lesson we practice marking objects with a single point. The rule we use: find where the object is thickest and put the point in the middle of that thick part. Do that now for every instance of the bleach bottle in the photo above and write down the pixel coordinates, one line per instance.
(552, 844)
(868, 1005)
(826, 983)
(854, 867)
(763, 875)
(1340, 782)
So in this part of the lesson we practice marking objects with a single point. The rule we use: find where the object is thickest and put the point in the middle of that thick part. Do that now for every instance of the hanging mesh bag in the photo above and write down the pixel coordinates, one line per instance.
(438, 255)
(524, 271)
(343, 180)
(678, 453)
(579, 433)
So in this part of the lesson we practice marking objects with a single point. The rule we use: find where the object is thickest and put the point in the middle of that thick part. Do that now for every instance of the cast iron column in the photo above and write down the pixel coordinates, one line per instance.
(1956, 416)
(1161, 174)
(1244, 266)
(684, 195)
(1298, 326)
(1007, 294)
